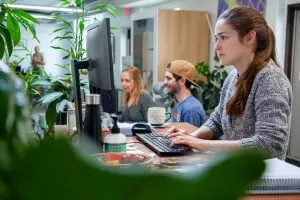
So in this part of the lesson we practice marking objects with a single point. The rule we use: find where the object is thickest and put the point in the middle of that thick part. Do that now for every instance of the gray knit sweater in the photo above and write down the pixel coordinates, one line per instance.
(264, 126)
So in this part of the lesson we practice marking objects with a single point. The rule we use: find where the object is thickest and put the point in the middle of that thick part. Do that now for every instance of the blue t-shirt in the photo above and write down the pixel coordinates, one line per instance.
(190, 110)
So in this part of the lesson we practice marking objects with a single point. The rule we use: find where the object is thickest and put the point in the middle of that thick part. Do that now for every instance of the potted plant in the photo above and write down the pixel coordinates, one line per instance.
(57, 98)
(10, 33)
(210, 82)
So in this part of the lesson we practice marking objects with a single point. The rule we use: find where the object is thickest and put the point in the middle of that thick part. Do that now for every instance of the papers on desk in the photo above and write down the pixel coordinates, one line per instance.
(125, 128)
(279, 178)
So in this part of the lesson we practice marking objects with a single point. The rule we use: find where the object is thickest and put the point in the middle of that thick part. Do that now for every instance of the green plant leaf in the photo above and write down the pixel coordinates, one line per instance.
(70, 176)
(35, 92)
(62, 38)
(25, 15)
(81, 26)
(14, 29)
(2, 47)
(65, 66)
(65, 4)
(73, 54)
(5, 33)
(41, 83)
(78, 2)
(31, 29)
(66, 56)
(218, 77)
(67, 33)
(60, 107)
(60, 48)
(112, 10)
(2, 15)
(224, 74)
(50, 97)
(59, 29)
(51, 115)
(63, 21)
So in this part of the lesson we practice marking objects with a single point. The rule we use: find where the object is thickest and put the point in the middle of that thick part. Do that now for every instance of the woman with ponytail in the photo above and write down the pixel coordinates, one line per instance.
(137, 101)
(255, 103)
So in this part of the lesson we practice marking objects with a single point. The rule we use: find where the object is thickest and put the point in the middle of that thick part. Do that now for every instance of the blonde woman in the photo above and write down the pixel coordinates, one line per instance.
(137, 101)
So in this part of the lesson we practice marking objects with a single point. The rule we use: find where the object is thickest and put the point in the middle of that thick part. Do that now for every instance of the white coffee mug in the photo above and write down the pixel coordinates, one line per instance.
(157, 116)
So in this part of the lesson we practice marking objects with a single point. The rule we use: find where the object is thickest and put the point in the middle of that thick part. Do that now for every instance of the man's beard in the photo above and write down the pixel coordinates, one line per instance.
(173, 90)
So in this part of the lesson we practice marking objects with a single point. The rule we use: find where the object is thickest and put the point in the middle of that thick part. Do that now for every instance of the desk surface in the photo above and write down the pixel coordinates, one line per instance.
(199, 158)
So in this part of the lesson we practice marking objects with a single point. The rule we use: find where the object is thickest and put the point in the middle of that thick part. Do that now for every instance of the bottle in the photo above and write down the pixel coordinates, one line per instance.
(92, 121)
(115, 141)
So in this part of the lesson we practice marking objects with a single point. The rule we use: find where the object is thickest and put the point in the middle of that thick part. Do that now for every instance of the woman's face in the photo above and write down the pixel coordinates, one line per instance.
(228, 44)
(127, 82)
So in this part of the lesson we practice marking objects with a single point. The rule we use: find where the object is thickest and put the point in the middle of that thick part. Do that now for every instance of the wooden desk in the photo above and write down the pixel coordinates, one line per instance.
(202, 158)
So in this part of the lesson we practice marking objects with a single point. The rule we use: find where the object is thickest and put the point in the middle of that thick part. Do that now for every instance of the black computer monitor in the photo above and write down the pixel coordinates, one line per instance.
(100, 67)
(101, 74)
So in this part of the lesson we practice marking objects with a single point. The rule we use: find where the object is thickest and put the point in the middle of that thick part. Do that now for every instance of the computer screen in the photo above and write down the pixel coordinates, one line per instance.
(100, 67)
(99, 53)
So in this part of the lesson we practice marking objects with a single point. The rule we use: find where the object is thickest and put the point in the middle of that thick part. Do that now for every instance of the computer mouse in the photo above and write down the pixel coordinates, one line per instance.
(140, 128)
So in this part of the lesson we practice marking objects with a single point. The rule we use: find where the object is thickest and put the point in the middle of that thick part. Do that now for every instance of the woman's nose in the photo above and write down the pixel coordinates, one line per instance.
(217, 46)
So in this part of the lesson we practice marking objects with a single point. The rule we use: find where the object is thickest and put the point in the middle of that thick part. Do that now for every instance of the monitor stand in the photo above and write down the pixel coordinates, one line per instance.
(76, 66)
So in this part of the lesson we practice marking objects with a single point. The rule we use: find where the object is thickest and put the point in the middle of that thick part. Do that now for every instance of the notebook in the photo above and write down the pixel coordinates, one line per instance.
(279, 178)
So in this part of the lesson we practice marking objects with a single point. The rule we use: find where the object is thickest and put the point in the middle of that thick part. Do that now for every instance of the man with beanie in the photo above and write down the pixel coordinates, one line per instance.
(179, 76)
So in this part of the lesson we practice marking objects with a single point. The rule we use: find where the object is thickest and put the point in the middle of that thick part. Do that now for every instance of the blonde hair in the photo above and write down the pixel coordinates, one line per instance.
(132, 98)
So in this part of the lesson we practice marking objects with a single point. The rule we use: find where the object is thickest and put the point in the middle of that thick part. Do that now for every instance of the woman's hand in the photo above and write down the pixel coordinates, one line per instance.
(191, 141)
(180, 136)
(174, 131)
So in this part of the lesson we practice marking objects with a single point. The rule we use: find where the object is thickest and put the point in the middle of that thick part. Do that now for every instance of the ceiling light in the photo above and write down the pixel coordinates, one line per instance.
(45, 8)
(139, 3)
(37, 16)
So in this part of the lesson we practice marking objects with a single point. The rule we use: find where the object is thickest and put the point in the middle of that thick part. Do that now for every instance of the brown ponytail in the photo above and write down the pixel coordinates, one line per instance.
(244, 20)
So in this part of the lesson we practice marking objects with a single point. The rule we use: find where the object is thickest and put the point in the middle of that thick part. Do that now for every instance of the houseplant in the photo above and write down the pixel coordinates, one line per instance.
(29, 76)
(74, 34)
(210, 82)
(10, 33)
(57, 98)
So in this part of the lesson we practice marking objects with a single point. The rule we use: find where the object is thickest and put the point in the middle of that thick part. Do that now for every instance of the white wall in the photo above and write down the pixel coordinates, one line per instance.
(51, 56)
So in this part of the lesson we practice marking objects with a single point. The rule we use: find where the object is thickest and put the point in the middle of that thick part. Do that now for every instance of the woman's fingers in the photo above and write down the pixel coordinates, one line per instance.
(172, 130)
(179, 133)
(179, 140)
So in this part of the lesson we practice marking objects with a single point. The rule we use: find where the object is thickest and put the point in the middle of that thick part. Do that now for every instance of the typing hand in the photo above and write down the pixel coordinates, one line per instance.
(174, 131)
(191, 142)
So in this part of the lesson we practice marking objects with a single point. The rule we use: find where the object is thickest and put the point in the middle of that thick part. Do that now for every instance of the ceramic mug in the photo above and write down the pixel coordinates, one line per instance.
(157, 116)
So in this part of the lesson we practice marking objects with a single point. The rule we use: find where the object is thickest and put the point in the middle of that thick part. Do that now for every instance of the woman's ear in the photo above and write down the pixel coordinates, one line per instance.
(250, 38)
